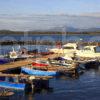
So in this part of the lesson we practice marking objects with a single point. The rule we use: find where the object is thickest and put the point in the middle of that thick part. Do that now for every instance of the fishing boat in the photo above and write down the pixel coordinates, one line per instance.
(18, 55)
(68, 49)
(30, 71)
(89, 52)
(8, 82)
(13, 54)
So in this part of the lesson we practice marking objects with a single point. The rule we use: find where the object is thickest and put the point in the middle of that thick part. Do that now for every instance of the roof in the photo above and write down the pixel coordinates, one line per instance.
(70, 44)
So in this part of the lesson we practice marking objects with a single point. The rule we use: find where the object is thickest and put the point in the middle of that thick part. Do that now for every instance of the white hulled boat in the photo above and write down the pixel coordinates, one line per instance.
(89, 52)
(68, 49)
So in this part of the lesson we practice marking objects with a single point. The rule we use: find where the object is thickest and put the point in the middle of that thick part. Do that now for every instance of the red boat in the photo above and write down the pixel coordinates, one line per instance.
(40, 64)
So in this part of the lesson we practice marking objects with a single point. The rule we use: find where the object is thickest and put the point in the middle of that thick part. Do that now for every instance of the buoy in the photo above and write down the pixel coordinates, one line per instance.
(31, 78)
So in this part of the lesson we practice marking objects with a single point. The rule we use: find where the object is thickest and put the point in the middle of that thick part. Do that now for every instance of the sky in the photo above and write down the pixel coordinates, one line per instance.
(21, 14)
(49, 6)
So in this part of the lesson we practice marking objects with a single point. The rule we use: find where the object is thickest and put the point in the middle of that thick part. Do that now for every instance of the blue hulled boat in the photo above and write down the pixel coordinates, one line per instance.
(17, 86)
(38, 72)
(10, 84)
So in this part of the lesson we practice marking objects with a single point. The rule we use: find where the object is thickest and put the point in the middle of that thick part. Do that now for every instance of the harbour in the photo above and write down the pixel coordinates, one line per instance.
(47, 64)
(49, 49)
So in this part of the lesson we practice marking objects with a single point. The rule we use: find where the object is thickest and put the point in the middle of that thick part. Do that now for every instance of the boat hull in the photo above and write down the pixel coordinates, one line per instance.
(38, 72)
(17, 86)
(4, 61)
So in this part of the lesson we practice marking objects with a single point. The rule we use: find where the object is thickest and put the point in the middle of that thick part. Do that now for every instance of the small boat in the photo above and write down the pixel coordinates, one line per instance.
(18, 55)
(69, 49)
(13, 54)
(39, 63)
(8, 82)
(38, 72)
(5, 94)
(60, 61)
(17, 86)
(4, 60)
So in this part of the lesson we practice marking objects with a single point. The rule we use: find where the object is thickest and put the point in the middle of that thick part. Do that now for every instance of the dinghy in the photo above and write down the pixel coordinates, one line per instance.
(4, 60)
(38, 72)
(39, 63)
(17, 86)
(8, 82)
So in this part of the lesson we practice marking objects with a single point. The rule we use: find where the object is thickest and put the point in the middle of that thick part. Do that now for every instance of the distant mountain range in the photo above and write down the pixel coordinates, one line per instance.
(70, 29)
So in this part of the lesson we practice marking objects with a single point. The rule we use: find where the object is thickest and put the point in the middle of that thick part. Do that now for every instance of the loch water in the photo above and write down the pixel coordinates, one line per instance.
(4, 49)
(85, 87)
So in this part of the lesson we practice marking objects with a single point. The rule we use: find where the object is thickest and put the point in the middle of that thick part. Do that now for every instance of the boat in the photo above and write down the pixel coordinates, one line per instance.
(71, 50)
(40, 63)
(17, 86)
(30, 71)
(17, 55)
(67, 49)
(5, 94)
(8, 82)
(13, 54)
(59, 61)
(4, 60)
(89, 52)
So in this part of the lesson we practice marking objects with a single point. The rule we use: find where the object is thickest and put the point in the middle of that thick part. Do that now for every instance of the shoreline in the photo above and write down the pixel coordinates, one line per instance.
(45, 43)
(6, 32)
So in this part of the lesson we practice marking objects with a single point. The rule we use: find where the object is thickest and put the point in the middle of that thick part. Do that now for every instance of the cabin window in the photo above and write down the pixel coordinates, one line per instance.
(97, 49)
(87, 49)
(68, 47)
(43, 62)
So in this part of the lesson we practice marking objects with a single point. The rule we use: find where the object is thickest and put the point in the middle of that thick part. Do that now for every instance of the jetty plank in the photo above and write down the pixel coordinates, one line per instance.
(15, 64)
(25, 76)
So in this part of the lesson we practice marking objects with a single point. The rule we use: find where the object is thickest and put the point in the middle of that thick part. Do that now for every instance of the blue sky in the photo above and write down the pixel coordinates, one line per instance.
(49, 6)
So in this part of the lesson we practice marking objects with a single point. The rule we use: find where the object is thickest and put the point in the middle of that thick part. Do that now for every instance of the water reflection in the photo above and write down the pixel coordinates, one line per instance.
(40, 86)
(86, 87)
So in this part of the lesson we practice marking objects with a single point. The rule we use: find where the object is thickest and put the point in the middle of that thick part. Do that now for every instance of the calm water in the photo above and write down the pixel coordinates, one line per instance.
(52, 38)
(86, 87)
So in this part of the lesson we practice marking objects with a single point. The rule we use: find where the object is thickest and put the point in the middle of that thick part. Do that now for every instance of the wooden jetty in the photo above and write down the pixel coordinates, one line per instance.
(25, 76)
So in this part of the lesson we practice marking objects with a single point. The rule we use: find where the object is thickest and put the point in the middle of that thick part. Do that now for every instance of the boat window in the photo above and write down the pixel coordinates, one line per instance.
(97, 49)
(43, 62)
(68, 47)
(87, 49)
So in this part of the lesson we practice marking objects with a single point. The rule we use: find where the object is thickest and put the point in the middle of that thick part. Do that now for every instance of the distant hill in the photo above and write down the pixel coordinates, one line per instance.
(68, 30)
(72, 29)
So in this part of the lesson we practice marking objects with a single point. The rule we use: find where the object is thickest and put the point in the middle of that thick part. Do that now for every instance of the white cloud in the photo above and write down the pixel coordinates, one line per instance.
(44, 22)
